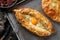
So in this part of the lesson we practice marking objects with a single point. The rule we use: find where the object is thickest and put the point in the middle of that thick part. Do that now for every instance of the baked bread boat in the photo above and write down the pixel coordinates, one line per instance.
(52, 9)
(34, 21)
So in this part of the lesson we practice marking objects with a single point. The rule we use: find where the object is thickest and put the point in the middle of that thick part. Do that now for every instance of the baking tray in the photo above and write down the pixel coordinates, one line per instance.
(24, 34)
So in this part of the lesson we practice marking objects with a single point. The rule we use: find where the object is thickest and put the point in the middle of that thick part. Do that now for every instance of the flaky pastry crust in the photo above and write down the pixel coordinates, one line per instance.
(35, 22)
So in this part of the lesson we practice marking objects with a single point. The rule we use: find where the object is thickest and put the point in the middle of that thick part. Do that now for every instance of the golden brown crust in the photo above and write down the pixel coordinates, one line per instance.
(40, 31)
(52, 9)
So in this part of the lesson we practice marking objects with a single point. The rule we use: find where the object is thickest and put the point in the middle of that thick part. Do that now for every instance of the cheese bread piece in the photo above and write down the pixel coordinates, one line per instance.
(52, 9)
(34, 21)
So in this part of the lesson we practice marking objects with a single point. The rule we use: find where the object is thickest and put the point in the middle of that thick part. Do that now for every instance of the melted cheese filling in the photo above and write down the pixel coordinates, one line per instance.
(28, 17)
(38, 24)
(54, 4)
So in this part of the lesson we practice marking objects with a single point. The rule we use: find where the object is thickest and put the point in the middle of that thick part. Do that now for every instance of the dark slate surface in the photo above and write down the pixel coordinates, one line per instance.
(36, 4)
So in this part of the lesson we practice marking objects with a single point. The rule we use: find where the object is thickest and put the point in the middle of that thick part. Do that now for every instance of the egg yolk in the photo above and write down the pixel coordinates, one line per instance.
(34, 21)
